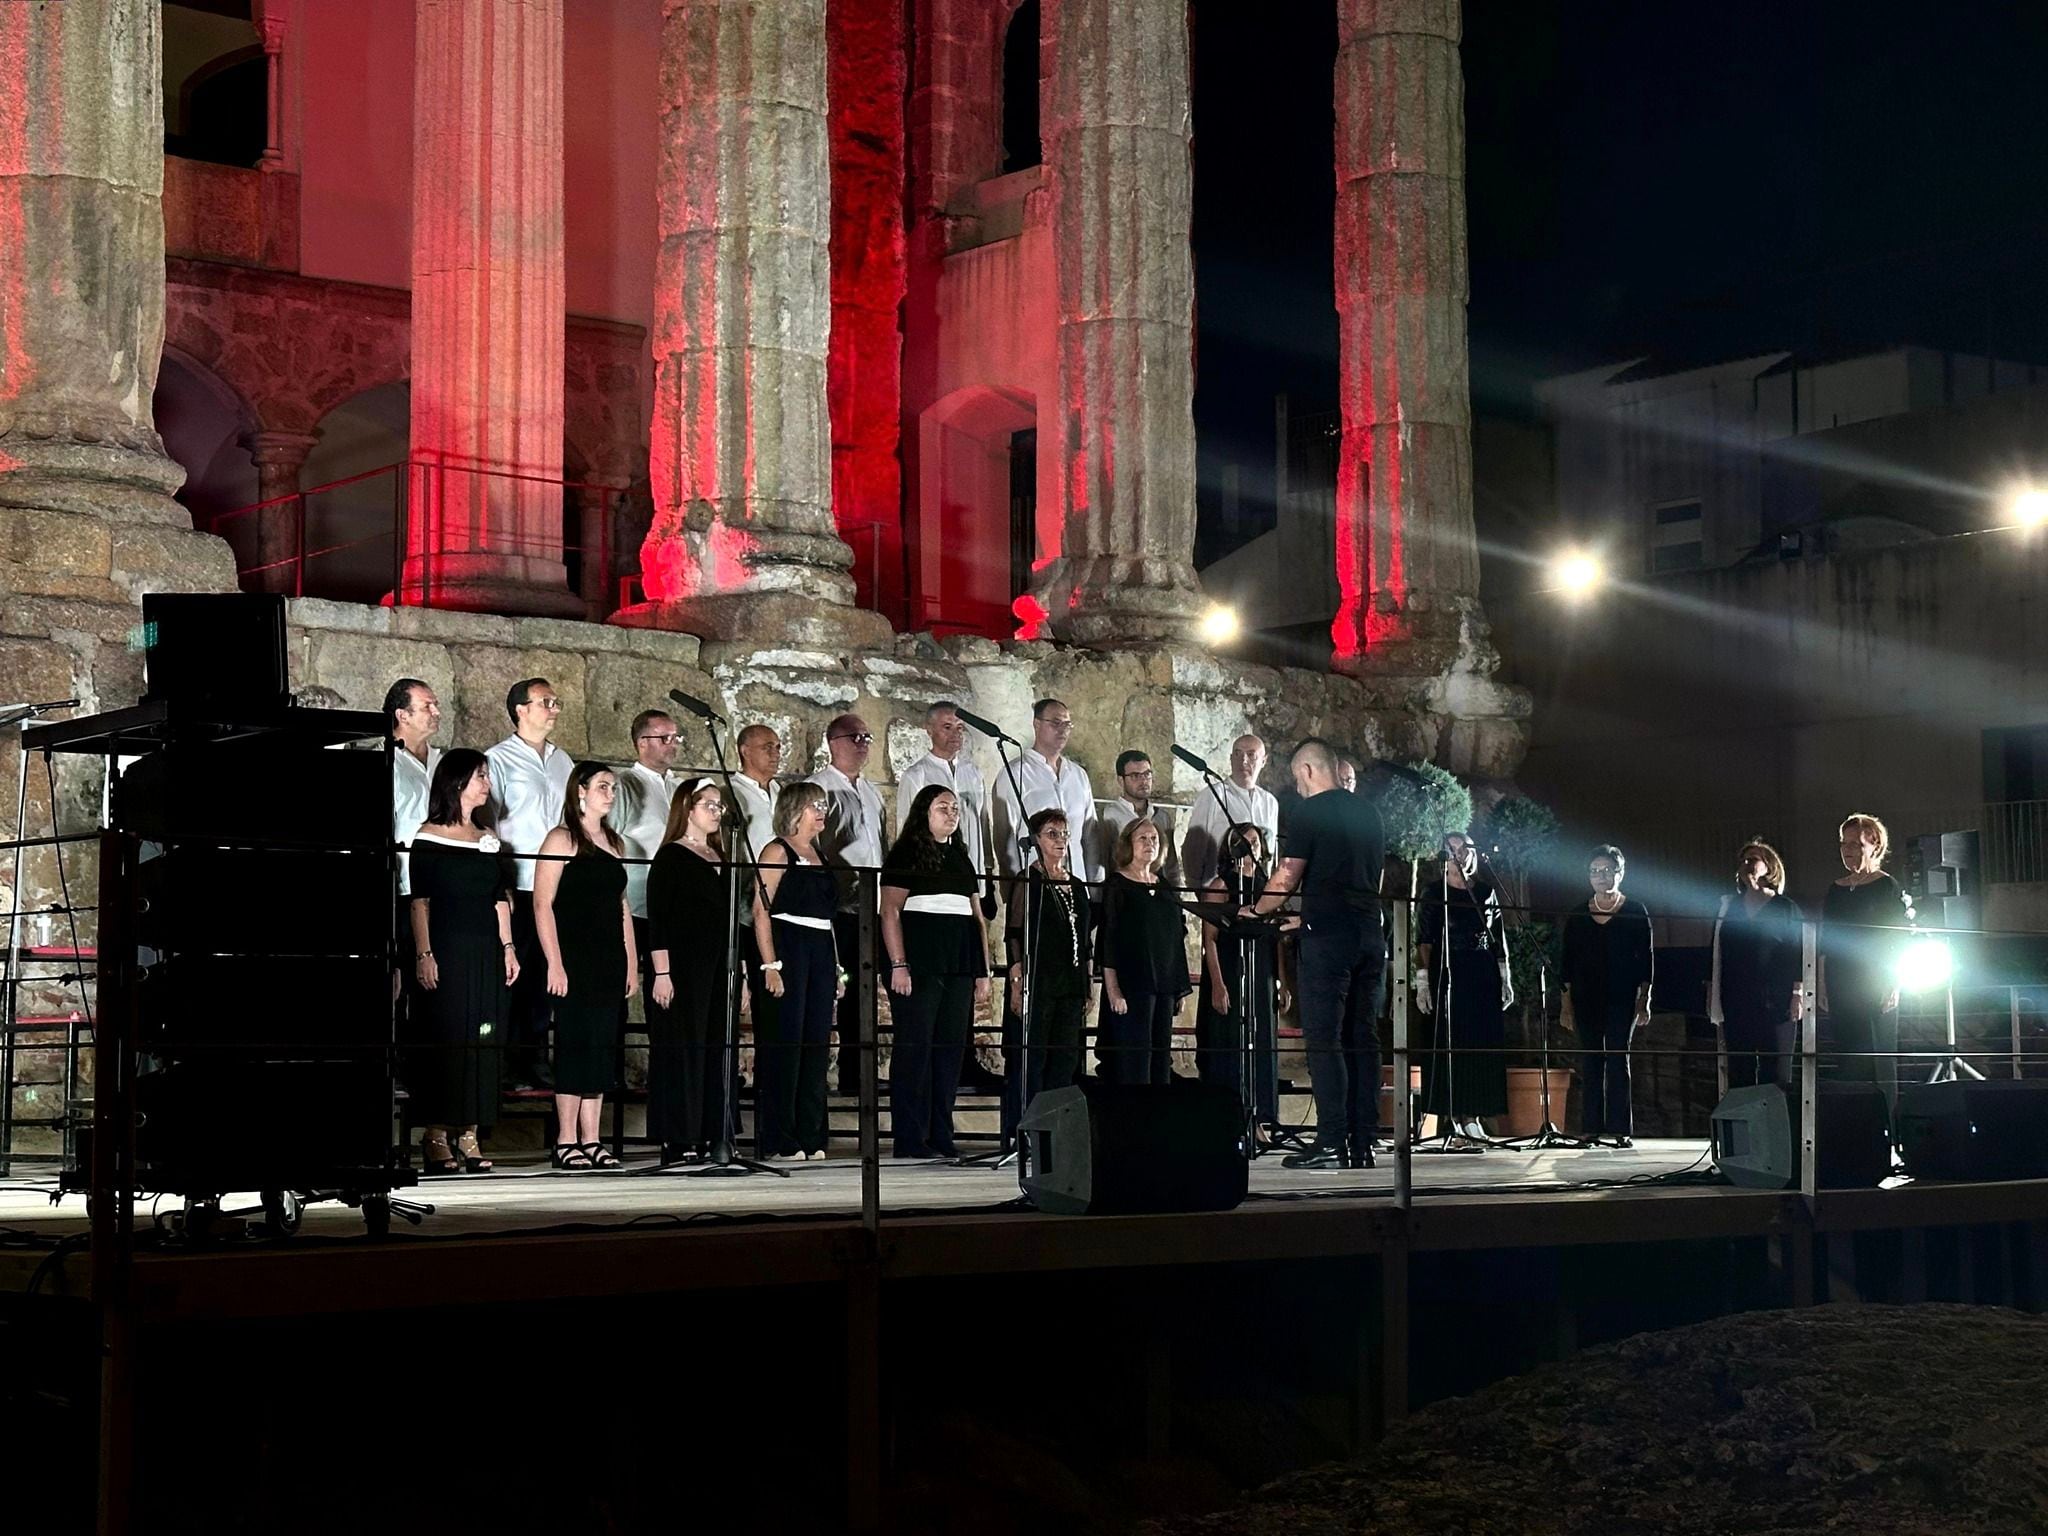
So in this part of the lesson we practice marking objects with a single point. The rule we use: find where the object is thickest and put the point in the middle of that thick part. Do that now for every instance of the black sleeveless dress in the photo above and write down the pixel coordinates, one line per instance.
(589, 926)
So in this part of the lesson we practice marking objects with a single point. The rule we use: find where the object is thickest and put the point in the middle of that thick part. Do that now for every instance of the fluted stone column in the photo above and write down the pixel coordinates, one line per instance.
(279, 456)
(82, 262)
(488, 309)
(1407, 557)
(1116, 121)
(742, 544)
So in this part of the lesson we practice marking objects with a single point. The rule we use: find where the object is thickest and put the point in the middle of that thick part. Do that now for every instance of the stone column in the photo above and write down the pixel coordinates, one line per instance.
(82, 262)
(1117, 127)
(276, 542)
(742, 544)
(1407, 557)
(272, 30)
(488, 309)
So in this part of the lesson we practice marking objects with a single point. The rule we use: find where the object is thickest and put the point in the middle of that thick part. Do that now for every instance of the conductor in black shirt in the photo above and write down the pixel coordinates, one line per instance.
(1332, 852)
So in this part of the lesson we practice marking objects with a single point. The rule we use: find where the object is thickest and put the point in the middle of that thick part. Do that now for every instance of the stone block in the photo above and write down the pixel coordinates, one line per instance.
(360, 668)
(55, 554)
(150, 558)
(317, 613)
(482, 676)
(452, 628)
(620, 686)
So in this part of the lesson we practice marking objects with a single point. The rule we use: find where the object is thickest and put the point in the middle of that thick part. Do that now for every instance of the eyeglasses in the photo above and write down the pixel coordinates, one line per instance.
(551, 704)
(1056, 834)
(663, 736)
(1140, 773)
(858, 738)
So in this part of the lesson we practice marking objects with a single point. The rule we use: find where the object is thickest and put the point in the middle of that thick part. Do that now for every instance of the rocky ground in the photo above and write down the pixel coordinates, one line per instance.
(1882, 1421)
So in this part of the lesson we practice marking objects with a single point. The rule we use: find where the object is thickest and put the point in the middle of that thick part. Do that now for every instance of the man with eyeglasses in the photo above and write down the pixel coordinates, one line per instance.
(1047, 777)
(639, 814)
(948, 765)
(1135, 777)
(852, 840)
(529, 784)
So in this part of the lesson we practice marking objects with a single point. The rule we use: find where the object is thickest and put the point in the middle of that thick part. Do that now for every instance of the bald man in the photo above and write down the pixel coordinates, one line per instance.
(1240, 798)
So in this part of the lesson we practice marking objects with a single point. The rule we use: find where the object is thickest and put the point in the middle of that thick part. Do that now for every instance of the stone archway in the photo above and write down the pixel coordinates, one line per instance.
(355, 532)
(965, 570)
(204, 425)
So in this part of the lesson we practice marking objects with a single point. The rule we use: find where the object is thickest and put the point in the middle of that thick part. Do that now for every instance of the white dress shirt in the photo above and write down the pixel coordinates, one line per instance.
(528, 790)
(853, 826)
(757, 809)
(964, 779)
(640, 816)
(1120, 813)
(1208, 822)
(1045, 787)
(410, 781)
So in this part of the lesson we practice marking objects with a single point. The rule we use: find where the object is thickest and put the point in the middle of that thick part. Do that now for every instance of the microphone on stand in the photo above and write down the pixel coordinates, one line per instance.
(1193, 761)
(695, 706)
(987, 728)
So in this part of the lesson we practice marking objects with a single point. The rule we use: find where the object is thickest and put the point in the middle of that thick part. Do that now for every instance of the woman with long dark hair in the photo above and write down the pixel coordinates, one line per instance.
(937, 947)
(586, 933)
(1609, 963)
(1232, 999)
(1144, 961)
(793, 909)
(1050, 926)
(687, 944)
(1753, 993)
(1462, 954)
(461, 917)
(1862, 919)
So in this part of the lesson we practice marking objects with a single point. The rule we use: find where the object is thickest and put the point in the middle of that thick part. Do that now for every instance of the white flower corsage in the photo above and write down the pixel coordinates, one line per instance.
(488, 843)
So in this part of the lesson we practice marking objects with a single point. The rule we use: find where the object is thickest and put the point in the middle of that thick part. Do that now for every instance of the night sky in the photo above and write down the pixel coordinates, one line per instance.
(1694, 182)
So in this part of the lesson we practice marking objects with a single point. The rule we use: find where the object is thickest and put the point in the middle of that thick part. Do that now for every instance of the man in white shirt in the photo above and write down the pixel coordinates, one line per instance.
(1047, 778)
(529, 783)
(415, 715)
(949, 766)
(760, 760)
(1135, 776)
(852, 839)
(647, 786)
(1218, 807)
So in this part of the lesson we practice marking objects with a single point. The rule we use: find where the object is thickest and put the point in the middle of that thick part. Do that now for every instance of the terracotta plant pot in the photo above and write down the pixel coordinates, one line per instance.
(1525, 1099)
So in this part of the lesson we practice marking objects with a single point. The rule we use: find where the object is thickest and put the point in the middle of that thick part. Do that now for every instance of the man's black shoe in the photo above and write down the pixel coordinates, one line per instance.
(1320, 1155)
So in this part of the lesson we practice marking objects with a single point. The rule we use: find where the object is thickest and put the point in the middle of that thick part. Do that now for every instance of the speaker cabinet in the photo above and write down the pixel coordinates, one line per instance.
(1975, 1130)
(1117, 1149)
(1756, 1137)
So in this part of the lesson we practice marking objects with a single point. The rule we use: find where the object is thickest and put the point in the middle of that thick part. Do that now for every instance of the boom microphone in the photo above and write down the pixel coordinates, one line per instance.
(1192, 761)
(695, 706)
(987, 728)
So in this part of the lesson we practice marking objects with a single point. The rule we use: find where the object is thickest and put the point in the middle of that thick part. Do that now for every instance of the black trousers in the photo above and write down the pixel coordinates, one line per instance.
(765, 1026)
(686, 1082)
(790, 1060)
(1869, 1037)
(1339, 987)
(1219, 1045)
(846, 930)
(932, 1027)
(1606, 1094)
(1136, 1046)
(1053, 1059)
(1759, 1047)
(528, 1008)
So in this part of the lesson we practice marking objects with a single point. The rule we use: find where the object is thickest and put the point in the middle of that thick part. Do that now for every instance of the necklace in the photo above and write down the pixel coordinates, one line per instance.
(1613, 905)
(1064, 890)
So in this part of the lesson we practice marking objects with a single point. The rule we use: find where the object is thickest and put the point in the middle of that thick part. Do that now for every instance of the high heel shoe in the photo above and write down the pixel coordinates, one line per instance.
(470, 1152)
(436, 1156)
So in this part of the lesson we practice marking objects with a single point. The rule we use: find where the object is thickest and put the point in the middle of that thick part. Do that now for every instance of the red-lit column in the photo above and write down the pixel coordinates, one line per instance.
(1407, 559)
(81, 265)
(864, 366)
(278, 456)
(1116, 129)
(742, 545)
(488, 309)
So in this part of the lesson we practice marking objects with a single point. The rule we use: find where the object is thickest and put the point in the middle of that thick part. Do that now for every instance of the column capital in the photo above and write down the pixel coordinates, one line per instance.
(279, 446)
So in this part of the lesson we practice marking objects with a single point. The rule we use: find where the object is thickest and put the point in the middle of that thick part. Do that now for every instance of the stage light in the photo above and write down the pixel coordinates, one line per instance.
(2027, 508)
(1925, 965)
(1576, 574)
(1219, 625)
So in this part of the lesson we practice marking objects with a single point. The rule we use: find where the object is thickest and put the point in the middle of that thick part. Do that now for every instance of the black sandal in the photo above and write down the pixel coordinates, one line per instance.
(470, 1153)
(443, 1161)
(597, 1156)
(570, 1154)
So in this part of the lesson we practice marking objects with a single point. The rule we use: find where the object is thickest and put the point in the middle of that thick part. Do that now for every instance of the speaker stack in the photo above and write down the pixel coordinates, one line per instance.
(1119, 1149)
(1755, 1135)
(1974, 1129)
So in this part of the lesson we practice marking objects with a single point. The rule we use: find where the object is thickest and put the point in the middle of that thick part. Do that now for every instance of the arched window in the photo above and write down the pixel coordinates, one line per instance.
(1021, 147)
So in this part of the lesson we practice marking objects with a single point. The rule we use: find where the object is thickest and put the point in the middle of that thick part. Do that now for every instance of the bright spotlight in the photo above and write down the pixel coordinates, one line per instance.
(1576, 574)
(1219, 625)
(1925, 965)
(2027, 508)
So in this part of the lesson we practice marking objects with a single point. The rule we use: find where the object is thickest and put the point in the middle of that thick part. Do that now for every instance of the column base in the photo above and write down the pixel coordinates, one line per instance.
(764, 618)
(120, 482)
(1103, 601)
(517, 586)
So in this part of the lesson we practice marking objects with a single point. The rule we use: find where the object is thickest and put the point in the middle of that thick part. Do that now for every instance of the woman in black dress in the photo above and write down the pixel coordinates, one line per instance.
(1863, 919)
(937, 947)
(1609, 962)
(1050, 929)
(1227, 998)
(1144, 961)
(793, 908)
(1753, 993)
(461, 912)
(687, 912)
(1465, 1074)
(586, 932)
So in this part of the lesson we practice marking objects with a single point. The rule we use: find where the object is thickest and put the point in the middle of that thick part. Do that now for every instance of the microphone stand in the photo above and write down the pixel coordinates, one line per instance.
(726, 1161)
(1549, 1137)
(1007, 1142)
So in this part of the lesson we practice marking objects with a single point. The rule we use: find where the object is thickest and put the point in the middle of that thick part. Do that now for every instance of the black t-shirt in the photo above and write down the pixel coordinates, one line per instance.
(1341, 839)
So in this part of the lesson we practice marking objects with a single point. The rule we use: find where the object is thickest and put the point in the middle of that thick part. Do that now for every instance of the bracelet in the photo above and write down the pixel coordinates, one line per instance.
(508, 944)
(771, 965)
(659, 974)
(899, 965)
(426, 954)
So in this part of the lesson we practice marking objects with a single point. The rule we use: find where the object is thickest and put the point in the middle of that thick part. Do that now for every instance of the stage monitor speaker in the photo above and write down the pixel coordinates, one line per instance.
(1755, 1134)
(1974, 1129)
(1117, 1149)
(218, 650)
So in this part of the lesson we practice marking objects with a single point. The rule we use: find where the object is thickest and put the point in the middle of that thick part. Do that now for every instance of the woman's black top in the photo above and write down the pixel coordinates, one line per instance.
(1474, 917)
(941, 943)
(1760, 958)
(1604, 963)
(1060, 910)
(462, 886)
(1861, 928)
(686, 910)
(1143, 939)
(805, 890)
(1239, 891)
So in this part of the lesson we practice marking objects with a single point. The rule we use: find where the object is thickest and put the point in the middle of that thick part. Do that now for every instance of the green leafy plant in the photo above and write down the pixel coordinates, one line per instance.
(1521, 836)
(1418, 815)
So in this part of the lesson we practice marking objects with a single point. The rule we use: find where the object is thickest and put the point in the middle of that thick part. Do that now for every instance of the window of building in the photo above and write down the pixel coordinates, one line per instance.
(1675, 542)
(1021, 147)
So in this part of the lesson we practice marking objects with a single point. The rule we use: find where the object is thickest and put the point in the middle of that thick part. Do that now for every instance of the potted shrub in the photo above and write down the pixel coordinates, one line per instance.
(1418, 806)
(1521, 835)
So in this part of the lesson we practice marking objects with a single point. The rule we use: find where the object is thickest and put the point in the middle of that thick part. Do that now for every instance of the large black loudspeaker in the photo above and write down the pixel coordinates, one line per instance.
(215, 649)
(1973, 1129)
(1756, 1137)
(1113, 1149)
